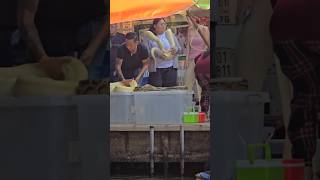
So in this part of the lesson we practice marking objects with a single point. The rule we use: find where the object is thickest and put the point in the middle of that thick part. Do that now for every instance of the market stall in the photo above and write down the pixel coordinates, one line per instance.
(144, 116)
(138, 18)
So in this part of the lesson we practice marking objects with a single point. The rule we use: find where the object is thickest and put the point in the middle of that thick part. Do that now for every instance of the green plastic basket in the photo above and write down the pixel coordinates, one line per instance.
(182, 57)
(191, 116)
(266, 169)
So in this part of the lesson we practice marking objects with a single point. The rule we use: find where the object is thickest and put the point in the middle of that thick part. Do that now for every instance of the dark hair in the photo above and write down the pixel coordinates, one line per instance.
(132, 36)
(155, 22)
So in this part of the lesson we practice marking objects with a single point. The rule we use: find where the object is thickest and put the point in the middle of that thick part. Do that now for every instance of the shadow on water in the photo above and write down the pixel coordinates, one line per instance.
(141, 171)
(154, 178)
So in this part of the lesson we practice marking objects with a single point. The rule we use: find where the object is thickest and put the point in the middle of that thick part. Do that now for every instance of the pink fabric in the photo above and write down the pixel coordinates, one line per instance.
(197, 45)
(296, 20)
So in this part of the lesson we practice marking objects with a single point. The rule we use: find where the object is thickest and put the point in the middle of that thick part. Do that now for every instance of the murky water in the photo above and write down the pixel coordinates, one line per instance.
(140, 171)
(148, 178)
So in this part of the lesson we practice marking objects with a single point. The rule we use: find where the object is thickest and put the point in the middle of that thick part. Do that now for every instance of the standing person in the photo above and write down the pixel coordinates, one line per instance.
(117, 39)
(298, 50)
(132, 59)
(195, 47)
(202, 66)
(52, 29)
(163, 73)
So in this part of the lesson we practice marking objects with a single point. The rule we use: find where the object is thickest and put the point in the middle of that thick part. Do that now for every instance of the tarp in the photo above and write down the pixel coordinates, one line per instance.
(133, 10)
(204, 4)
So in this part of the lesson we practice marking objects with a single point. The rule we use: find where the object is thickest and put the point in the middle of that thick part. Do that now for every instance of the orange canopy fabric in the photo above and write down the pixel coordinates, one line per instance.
(133, 10)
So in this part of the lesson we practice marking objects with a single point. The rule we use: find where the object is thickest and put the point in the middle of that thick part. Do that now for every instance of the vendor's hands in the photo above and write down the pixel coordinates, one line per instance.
(127, 82)
(173, 51)
(137, 79)
(53, 66)
(192, 20)
(162, 56)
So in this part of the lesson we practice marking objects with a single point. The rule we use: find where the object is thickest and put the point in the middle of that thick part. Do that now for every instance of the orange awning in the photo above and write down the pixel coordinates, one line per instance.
(133, 10)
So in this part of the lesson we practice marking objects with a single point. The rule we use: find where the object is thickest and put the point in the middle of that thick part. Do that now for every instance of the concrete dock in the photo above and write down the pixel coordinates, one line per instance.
(185, 143)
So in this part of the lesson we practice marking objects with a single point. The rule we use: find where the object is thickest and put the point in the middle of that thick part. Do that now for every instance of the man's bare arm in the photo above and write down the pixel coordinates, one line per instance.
(144, 68)
(26, 21)
(95, 43)
(118, 68)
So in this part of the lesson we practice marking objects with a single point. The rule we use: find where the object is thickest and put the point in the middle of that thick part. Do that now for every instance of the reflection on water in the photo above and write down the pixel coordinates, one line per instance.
(140, 171)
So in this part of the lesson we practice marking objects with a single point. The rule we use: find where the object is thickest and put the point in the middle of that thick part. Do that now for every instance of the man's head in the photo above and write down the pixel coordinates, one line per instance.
(132, 42)
(113, 29)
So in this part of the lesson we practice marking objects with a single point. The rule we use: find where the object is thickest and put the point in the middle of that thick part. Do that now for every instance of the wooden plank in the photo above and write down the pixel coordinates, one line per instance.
(160, 127)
